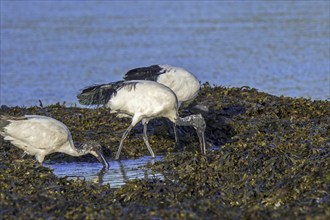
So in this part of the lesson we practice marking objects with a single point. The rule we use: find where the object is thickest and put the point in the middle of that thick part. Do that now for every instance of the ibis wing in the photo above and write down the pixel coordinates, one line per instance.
(101, 94)
(97, 95)
(144, 73)
(35, 133)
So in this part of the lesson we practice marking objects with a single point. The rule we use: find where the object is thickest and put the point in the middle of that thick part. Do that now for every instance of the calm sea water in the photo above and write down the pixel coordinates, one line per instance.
(52, 49)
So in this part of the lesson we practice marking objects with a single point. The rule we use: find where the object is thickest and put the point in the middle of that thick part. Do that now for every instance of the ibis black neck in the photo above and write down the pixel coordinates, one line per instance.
(198, 122)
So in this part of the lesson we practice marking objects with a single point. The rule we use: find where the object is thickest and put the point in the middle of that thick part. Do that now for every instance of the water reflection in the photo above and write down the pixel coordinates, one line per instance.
(117, 175)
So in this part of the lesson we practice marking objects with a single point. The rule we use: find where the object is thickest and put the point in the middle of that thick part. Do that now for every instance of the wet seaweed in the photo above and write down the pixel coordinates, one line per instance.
(268, 158)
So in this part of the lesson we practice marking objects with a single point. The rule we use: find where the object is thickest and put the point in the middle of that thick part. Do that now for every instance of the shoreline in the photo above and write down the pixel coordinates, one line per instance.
(273, 163)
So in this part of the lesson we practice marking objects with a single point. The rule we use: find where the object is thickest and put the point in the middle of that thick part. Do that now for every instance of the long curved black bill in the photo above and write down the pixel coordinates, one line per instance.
(198, 122)
(201, 137)
(101, 174)
(101, 158)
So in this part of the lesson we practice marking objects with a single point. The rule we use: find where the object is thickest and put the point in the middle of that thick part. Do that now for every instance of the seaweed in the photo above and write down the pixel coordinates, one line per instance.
(267, 158)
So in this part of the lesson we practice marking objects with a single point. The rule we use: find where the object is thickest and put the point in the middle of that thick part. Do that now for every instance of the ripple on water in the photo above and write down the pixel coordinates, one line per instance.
(119, 172)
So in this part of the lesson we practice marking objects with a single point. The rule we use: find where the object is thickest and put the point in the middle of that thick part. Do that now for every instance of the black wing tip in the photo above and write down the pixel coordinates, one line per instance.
(82, 99)
(87, 89)
(9, 117)
(144, 73)
(98, 94)
(5, 120)
(87, 95)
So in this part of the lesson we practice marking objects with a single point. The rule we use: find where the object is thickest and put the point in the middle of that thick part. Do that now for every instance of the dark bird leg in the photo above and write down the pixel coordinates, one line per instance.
(145, 138)
(122, 141)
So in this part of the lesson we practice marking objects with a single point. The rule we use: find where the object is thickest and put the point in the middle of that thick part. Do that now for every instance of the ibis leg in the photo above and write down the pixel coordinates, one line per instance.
(145, 138)
(122, 141)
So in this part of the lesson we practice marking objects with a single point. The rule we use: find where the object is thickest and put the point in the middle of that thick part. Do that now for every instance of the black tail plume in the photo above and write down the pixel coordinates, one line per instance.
(144, 73)
(95, 95)
(3, 124)
(4, 120)
(101, 94)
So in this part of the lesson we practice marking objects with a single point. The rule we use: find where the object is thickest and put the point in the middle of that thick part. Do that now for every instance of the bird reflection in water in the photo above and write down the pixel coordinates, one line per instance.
(99, 178)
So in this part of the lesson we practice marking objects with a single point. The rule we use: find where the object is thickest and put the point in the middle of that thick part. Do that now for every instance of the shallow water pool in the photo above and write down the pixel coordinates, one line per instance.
(118, 174)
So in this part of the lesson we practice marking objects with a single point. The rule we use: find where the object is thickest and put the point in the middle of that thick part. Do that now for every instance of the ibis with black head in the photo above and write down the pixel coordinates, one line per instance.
(141, 100)
(183, 83)
(41, 135)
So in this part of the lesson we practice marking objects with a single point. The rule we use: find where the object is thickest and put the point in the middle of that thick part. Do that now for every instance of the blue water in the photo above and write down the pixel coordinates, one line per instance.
(118, 174)
(52, 49)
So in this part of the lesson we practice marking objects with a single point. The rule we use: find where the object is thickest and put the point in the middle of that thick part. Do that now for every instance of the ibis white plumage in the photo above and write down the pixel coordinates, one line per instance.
(182, 82)
(142, 100)
(40, 135)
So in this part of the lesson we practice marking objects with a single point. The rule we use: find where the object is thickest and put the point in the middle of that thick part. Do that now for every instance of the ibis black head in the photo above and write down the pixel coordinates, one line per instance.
(198, 122)
(94, 148)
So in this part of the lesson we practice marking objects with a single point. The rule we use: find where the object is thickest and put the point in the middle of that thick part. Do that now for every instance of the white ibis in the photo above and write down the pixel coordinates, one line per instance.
(141, 100)
(40, 135)
(183, 83)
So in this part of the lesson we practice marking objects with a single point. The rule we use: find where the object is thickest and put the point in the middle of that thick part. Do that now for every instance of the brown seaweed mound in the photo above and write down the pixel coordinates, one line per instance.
(268, 157)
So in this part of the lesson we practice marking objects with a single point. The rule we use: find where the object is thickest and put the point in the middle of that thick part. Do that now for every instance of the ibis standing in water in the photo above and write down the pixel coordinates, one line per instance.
(142, 100)
(40, 135)
(183, 83)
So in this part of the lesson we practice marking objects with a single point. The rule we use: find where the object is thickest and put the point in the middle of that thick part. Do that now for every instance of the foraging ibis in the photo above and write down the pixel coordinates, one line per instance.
(40, 135)
(183, 83)
(141, 100)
